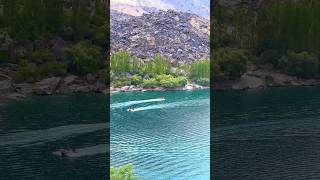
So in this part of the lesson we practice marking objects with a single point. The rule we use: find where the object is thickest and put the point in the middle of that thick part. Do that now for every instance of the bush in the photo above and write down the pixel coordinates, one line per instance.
(136, 80)
(168, 81)
(124, 173)
(181, 81)
(150, 83)
(26, 71)
(299, 64)
(83, 58)
(122, 82)
(42, 56)
(270, 56)
(203, 81)
(231, 62)
(4, 56)
(216, 71)
(52, 69)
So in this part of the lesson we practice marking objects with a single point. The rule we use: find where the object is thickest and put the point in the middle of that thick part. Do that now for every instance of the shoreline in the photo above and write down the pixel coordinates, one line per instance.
(260, 78)
(188, 87)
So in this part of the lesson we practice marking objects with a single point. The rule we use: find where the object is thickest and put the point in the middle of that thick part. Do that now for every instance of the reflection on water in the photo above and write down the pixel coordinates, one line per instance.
(31, 130)
(271, 134)
(163, 140)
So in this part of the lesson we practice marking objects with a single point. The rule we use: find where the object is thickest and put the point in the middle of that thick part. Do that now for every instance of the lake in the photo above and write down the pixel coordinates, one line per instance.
(162, 139)
(32, 129)
(268, 134)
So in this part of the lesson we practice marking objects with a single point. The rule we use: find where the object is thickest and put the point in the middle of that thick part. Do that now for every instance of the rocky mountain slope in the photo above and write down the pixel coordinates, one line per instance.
(138, 7)
(182, 37)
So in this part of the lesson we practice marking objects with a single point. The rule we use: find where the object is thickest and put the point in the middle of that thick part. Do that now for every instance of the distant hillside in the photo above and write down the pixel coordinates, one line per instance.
(138, 7)
(183, 37)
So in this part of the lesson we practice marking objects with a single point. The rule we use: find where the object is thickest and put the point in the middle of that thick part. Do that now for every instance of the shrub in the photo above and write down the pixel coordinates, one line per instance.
(122, 82)
(216, 71)
(4, 56)
(83, 58)
(182, 81)
(124, 173)
(150, 83)
(203, 81)
(270, 56)
(168, 81)
(26, 71)
(52, 69)
(232, 62)
(42, 56)
(136, 80)
(299, 64)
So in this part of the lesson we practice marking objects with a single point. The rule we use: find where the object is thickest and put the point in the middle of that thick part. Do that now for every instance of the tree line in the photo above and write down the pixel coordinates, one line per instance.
(29, 28)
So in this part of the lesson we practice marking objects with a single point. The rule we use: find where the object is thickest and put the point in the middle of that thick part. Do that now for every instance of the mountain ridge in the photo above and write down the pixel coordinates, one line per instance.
(138, 7)
(180, 36)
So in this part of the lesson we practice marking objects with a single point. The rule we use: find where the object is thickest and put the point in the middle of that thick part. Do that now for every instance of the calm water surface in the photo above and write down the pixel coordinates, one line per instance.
(162, 139)
(31, 130)
(271, 134)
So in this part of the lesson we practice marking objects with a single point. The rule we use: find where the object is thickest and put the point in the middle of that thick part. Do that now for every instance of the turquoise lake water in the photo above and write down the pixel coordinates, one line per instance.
(266, 135)
(162, 139)
(31, 130)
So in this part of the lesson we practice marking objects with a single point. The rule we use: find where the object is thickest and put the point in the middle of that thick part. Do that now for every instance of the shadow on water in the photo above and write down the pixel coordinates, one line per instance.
(271, 134)
(31, 130)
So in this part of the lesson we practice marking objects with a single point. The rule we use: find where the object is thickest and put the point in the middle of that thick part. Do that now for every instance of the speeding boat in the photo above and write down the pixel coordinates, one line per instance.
(130, 110)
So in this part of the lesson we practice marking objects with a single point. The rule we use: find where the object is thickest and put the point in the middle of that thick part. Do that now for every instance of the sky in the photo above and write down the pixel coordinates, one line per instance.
(199, 7)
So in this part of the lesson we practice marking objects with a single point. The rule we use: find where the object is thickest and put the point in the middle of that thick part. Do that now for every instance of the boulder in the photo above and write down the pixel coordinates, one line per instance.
(5, 87)
(47, 86)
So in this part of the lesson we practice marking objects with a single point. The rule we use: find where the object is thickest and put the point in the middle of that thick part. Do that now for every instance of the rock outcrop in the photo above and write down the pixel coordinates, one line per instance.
(262, 78)
(50, 86)
(182, 37)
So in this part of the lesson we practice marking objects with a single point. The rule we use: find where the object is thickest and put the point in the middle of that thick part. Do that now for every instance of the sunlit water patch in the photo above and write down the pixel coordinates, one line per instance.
(162, 139)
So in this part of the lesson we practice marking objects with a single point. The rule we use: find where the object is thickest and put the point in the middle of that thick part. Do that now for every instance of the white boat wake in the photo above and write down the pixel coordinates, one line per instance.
(130, 103)
(188, 103)
(29, 138)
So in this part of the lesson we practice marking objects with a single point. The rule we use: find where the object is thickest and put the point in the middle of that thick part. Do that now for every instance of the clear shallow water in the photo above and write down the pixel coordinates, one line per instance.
(271, 134)
(31, 130)
(163, 140)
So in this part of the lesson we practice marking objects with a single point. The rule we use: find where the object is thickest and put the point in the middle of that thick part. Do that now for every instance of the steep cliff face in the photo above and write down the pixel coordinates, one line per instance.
(182, 37)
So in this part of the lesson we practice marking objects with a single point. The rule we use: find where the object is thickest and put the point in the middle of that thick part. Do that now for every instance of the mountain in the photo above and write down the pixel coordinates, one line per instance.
(138, 7)
(180, 36)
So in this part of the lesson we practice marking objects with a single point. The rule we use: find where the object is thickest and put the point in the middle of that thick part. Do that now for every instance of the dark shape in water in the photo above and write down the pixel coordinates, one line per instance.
(88, 151)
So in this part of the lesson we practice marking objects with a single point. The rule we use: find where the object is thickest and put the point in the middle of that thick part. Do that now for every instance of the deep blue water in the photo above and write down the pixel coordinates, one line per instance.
(163, 139)
(266, 135)
(32, 129)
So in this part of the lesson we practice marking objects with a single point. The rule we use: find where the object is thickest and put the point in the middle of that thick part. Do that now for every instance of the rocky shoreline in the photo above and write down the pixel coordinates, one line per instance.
(262, 77)
(132, 88)
(255, 78)
(68, 84)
